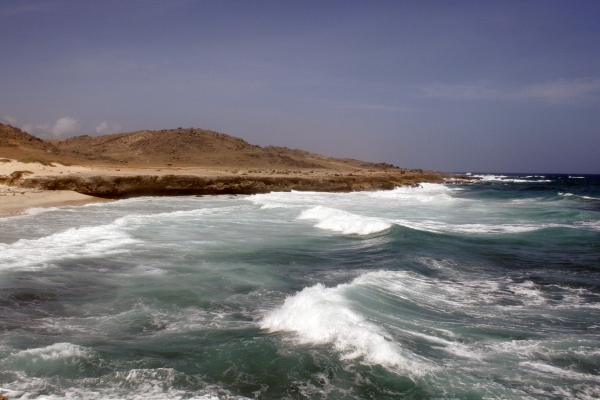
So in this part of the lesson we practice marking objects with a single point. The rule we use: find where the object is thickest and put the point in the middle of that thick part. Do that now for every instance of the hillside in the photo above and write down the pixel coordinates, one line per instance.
(172, 147)
(14, 141)
(185, 162)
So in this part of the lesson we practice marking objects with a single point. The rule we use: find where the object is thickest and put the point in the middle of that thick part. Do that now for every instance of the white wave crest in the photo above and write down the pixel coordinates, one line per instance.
(424, 193)
(577, 196)
(442, 227)
(82, 242)
(593, 225)
(320, 315)
(90, 241)
(293, 199)
(59, 359)
(507, 179)
(343, 221)
(54, 352)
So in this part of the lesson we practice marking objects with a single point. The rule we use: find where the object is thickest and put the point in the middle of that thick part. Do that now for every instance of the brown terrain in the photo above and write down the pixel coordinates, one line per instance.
(184, 161)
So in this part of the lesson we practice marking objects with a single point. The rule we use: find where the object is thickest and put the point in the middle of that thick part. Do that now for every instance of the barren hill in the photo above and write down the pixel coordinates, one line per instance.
(172, 147)
(14, 141)
(184, 162)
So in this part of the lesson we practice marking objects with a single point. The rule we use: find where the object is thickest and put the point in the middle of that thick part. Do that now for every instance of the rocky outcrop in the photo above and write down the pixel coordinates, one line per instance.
(173, 185)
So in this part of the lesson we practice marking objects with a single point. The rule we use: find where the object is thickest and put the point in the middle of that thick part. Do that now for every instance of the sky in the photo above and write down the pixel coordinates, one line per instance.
(502, 86)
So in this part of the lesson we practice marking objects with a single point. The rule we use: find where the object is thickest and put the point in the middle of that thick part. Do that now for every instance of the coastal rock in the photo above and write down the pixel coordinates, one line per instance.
(172, 185)
(200, 162)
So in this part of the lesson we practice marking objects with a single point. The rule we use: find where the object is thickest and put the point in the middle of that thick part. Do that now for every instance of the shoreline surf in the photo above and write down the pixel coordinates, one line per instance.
(481, 290)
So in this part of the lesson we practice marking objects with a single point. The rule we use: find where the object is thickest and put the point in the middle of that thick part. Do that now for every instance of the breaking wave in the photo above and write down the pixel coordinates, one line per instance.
(319, 315)
(343, 221)
(508, 179)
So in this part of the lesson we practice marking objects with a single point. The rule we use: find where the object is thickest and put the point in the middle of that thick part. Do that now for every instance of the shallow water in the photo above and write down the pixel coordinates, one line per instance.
(489, 290)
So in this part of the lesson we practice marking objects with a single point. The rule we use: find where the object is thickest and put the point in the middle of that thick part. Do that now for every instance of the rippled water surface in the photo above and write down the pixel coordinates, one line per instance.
(490, 290)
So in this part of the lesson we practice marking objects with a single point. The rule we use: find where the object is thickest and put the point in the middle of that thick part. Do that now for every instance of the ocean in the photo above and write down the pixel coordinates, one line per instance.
(482, 291)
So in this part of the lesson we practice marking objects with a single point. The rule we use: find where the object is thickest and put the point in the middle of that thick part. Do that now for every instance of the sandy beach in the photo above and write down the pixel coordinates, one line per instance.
(16, 200)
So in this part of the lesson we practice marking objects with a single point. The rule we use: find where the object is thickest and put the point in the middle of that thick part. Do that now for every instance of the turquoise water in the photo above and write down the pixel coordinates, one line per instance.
(490, 290)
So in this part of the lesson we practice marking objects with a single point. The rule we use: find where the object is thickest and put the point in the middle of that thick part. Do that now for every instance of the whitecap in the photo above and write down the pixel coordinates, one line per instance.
(319, 315)
(91, 241)
(293, 199)
(342, 221)
(578, 196)
(444, 227)
(53, 352)
(508, 179)
(59, 358)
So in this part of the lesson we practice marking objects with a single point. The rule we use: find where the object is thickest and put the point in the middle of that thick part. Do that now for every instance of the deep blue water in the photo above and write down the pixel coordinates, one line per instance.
(489, 290)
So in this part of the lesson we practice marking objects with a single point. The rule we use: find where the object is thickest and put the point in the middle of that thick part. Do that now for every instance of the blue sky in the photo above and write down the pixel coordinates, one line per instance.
(509, 86)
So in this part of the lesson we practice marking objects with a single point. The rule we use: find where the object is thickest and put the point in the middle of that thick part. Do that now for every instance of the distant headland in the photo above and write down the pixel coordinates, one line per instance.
(184, 161)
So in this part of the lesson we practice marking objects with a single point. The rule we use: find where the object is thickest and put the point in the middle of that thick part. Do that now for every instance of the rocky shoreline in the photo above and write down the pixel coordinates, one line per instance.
(180, 161)
(122, 186)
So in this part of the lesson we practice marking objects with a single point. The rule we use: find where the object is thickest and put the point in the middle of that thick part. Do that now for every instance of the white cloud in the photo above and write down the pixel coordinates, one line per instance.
(105, 129)
(65, 126)
(11, 120)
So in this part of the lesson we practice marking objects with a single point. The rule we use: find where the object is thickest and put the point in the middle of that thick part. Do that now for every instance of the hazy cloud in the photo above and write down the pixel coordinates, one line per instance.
(29, 128)
(65, 126)
(461, 92)
(25, 9)
(11, 120)
(372, 106)
(105, 129)
(560, 91)
(42, 130)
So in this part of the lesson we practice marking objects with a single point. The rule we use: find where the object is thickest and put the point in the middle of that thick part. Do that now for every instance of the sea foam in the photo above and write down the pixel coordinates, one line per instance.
(134, 384)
